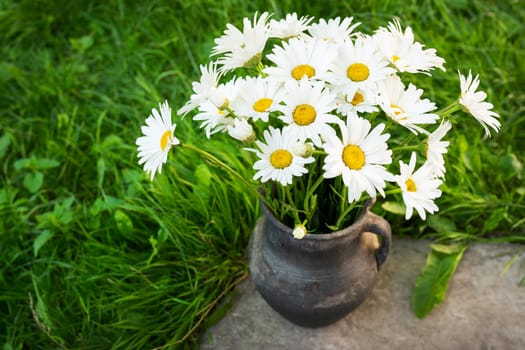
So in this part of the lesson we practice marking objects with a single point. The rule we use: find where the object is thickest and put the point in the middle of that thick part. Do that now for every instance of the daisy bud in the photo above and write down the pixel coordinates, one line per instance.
(241, 130)
(299, 231)
(303, 149)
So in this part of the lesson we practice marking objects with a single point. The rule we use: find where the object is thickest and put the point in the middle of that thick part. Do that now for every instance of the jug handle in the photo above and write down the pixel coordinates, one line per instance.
(379, 226)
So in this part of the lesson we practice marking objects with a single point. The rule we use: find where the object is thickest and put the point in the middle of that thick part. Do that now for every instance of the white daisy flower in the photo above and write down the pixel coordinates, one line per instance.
(359, 158)
(400, 50)
(406, 106)
(242, 49)
(205, 89)
(158, 139)
(358, 65)
(333, 31)
(419, 188)
(436, 148)
(298, 58)
(259, 97)
(474, 103)
(362, 101)
(277, 161)
(289, 27)
(241, 130)
(213, 119)
(216, 118)
(306, 111)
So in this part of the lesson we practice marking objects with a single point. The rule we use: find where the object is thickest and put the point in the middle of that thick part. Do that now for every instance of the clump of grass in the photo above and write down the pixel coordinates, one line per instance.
(94, 255)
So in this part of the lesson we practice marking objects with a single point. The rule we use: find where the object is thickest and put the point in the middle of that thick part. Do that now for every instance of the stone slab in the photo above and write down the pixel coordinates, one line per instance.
(484, 309)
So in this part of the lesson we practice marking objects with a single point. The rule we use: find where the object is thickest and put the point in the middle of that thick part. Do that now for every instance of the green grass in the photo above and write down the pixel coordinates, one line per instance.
(95, 256)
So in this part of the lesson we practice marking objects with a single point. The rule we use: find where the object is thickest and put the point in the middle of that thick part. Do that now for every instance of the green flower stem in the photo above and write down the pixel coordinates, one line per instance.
(344, 203)
(308, 195)
(448, 110)
(216, 161)
(344, 213)
(393, 191)
(292, 204)
(407, 148)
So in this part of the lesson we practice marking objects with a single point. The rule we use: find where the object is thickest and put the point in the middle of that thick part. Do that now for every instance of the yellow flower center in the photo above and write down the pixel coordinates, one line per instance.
(353, 157)
(411, 185)
(395, 58)
(165, 138)
(304, 114)
(358, 99)
(262, 104)
(301, 70)
(281, 159)
(398, 110)
(357, 72)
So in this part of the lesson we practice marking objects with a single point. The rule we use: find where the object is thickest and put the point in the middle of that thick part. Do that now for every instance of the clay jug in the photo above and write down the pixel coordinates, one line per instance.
(321, 278)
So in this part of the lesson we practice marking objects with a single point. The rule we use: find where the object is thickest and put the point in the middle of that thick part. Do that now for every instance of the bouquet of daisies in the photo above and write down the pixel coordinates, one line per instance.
(326, 114)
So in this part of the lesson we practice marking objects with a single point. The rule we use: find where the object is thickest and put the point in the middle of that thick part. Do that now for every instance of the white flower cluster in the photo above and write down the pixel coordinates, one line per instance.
(321, 91)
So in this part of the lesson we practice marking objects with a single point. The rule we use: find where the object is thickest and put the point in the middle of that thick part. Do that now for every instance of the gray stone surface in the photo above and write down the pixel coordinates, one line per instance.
(484, 309)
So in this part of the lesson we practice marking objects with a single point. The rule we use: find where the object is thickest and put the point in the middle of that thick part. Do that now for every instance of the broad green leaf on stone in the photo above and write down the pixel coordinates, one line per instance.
(33, 181)
(42, 238)
(431, 285)
(394, 208)
(446, 248)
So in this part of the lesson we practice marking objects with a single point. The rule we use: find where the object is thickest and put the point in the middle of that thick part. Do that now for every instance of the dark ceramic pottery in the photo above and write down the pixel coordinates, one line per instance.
(321, 278)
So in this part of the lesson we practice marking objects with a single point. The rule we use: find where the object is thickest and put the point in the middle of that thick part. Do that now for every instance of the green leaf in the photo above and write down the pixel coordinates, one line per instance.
(41, 308)
(472, 160)
(46, 163)
(101, 170)
(124, 223)
(431, 285)
(33, 181)
(394, 208)
(36, 163)
(154, 249)
(441, 224)
(42, 238)
(105, 203)
(82, 44)
(510, 166)
(203, 174)
(63, 211)
(5, 142)
(494, 219)
(25, 163)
